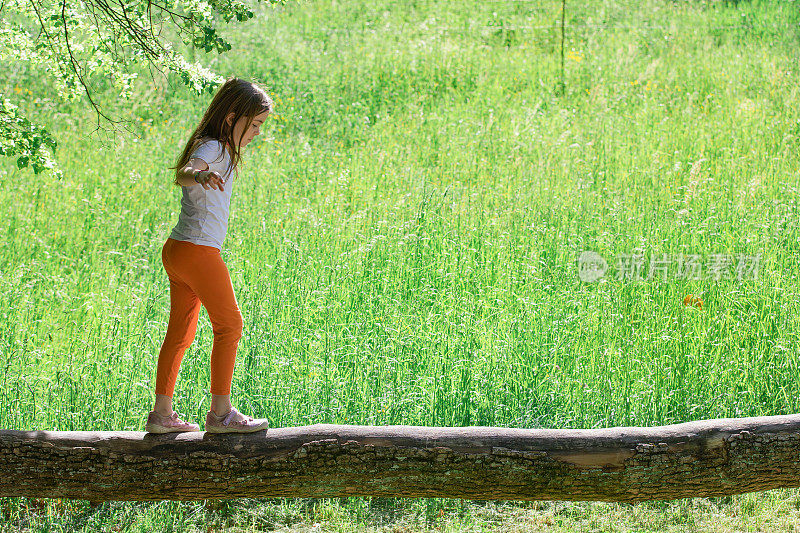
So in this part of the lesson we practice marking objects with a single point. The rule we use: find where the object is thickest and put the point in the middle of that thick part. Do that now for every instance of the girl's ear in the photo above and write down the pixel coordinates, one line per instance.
(229, 118)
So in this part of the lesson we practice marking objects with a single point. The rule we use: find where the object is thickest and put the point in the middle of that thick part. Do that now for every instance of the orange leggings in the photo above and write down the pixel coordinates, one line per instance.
(197, 274)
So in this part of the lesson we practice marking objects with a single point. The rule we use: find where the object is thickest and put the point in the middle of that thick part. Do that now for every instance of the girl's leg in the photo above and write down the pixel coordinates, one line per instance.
(184, 310)
(211, 281)
(204, 270)
(226, 323)
(183, 313)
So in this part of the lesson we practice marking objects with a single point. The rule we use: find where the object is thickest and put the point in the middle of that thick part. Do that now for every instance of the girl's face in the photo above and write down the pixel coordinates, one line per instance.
(253, 130)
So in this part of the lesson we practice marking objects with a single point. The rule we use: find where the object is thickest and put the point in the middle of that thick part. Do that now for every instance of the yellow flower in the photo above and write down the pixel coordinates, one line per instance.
(574, 56)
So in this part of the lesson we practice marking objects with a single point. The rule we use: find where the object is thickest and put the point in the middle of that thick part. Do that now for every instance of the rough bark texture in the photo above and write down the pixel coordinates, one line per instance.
(625, 464)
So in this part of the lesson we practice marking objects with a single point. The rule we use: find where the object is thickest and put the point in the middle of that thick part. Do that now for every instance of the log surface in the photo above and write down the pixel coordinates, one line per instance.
(623, 464)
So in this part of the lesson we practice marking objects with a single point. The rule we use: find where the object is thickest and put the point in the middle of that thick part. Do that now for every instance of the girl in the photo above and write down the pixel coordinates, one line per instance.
(191, 256)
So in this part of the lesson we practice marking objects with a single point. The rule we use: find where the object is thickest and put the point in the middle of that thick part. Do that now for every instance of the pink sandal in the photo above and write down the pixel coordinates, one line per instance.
(226, 424)
(157, 423)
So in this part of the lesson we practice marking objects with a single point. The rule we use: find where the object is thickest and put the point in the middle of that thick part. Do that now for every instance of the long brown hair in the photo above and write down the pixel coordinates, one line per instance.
(238, 96)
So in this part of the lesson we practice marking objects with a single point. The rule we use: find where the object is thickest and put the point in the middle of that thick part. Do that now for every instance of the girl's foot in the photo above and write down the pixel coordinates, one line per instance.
(234, 422)
(157, 423)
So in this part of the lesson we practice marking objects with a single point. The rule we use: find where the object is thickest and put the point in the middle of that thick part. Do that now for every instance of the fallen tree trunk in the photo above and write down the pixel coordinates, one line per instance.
(623, 464)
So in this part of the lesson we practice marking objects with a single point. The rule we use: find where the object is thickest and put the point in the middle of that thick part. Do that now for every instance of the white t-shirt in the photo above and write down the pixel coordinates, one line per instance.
(204, 212)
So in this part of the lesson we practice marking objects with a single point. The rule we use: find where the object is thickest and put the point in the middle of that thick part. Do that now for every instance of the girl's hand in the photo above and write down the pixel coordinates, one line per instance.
(210, 179)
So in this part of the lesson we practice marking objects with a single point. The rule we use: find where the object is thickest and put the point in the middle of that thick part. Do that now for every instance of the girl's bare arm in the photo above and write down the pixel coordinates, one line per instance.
(186, 175)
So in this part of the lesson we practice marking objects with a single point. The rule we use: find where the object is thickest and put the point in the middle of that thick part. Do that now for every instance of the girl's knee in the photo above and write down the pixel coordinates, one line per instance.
(232, 327)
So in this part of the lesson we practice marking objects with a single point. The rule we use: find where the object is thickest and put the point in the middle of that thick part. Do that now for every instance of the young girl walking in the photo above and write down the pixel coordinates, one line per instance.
(191, 256)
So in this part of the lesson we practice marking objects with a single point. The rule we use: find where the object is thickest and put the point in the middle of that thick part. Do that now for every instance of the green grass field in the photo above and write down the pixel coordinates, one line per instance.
(404, 238)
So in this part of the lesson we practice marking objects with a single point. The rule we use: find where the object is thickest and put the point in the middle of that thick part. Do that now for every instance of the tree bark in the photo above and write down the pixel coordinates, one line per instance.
(623, 464)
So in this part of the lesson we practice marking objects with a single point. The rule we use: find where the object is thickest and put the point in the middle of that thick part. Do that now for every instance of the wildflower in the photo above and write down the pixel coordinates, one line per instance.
(574, 56)
(691, 299)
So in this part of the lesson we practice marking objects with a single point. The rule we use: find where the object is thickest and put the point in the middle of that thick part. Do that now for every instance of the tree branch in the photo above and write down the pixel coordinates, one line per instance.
(77, 72)
(50, 40)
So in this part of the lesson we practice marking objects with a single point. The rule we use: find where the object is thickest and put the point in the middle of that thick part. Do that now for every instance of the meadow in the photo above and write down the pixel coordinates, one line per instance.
(404, 242)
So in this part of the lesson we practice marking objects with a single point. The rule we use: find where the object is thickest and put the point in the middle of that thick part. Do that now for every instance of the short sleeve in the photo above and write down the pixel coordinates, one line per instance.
(209, 151)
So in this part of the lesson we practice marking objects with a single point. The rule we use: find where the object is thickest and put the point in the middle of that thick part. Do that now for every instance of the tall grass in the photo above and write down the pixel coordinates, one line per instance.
(404, 235)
